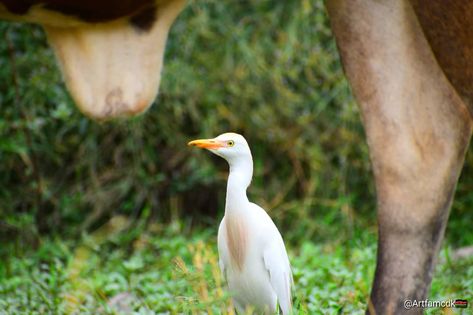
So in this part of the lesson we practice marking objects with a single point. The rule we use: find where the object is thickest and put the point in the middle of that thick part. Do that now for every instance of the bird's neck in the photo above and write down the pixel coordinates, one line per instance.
(238, 181)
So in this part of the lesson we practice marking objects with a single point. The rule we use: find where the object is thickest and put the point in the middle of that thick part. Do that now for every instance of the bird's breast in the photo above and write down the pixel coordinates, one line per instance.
(237, 240)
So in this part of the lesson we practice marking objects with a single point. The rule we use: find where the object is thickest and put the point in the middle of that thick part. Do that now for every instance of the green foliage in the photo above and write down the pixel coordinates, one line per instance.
(250, 67)
(169, 271)
(267, 70)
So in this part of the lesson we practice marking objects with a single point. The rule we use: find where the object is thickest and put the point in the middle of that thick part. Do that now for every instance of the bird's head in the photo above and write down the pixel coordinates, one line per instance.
(230, 146)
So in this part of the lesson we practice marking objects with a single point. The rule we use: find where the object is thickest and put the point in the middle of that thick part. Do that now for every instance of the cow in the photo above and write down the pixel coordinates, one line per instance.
(410, 66)
(110, 52)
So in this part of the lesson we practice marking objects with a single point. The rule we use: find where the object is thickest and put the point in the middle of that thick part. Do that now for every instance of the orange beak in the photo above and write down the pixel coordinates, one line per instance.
(206, 144)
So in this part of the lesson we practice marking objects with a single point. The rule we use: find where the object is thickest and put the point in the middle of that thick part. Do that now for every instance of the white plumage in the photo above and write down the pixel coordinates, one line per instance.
(252, 255)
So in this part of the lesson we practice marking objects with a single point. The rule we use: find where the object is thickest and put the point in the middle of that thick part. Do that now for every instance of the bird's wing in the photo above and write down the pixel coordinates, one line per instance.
(222, 269)
(222, 249)
(277, 263)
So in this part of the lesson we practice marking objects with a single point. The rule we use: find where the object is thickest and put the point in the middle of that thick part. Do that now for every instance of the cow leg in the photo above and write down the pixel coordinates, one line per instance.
(417, 129)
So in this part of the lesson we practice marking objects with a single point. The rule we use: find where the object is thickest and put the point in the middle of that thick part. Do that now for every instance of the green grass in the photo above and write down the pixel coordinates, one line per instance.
(171, 270)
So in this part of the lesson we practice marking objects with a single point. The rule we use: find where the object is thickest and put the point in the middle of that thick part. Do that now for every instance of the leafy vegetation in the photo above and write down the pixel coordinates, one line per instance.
(168, 271)
(251, 67)
(266, 69)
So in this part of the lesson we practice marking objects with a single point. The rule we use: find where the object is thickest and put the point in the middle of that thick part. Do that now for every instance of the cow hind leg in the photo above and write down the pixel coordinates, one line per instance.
(417, 129)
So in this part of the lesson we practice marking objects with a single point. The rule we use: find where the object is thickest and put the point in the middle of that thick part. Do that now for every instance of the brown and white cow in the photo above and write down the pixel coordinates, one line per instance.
(411, 69)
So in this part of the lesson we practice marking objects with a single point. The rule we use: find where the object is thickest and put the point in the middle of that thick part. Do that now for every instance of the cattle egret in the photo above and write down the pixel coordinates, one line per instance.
(252, 255)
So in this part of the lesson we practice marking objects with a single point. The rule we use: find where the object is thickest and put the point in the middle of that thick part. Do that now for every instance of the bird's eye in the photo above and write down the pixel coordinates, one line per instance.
(231, 143)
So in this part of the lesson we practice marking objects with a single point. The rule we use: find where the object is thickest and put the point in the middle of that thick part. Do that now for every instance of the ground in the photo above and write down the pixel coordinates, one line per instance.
(173, 270)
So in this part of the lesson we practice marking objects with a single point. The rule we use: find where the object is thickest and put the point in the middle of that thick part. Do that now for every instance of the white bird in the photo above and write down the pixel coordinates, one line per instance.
(252, 255)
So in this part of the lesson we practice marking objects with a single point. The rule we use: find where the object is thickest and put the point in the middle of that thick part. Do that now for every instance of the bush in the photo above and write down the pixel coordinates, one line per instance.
(266, 69)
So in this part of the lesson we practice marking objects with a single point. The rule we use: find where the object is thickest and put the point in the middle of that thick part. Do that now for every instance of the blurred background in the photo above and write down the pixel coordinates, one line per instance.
(266, 69)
